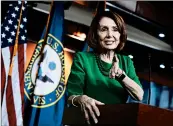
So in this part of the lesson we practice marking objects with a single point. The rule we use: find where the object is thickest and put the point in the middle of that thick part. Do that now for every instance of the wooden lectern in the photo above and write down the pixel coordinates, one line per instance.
(131, 114)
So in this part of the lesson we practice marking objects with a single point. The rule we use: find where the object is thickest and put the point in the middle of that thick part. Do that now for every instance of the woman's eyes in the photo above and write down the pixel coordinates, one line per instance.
(106, 29)
(115, 29)
(103, 29)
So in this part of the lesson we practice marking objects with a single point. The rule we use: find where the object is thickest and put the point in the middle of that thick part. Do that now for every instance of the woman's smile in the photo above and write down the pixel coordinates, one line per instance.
(109, 42)
(109, 36)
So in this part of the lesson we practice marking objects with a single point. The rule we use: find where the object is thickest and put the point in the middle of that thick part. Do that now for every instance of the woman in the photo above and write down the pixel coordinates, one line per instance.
(103, 76)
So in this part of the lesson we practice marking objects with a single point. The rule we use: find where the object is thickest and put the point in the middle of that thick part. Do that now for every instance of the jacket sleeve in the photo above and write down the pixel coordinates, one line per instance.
(75, 83)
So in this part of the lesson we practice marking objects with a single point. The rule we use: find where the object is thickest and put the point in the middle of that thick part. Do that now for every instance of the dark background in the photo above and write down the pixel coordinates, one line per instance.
(159, 16)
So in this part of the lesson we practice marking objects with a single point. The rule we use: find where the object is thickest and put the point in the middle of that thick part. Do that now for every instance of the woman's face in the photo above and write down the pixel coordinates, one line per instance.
(108, 34)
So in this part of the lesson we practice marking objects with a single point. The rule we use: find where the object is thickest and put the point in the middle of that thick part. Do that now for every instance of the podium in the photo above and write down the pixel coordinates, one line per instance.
(131, 114)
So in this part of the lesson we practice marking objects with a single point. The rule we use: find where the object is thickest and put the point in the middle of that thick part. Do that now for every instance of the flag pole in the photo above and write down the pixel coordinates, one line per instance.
(49, 20)
(48, 24)
(16, 42)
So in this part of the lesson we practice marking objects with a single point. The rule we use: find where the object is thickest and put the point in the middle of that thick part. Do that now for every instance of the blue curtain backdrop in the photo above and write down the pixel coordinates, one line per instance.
(160, 96)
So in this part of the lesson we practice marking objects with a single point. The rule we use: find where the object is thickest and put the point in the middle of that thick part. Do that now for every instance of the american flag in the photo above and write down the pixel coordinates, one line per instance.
(12, 86)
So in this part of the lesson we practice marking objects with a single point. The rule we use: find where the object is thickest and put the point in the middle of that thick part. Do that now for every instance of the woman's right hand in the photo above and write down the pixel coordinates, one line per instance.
(89, 106)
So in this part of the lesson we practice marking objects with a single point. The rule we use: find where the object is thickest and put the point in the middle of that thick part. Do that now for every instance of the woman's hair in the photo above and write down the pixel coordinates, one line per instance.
(92, 37)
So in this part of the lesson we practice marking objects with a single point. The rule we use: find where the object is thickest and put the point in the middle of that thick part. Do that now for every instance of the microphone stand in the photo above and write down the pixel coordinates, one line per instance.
(149, 91)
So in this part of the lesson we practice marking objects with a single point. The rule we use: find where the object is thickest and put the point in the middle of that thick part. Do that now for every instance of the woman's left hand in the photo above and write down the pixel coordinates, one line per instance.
(130, 85)
(115, 71)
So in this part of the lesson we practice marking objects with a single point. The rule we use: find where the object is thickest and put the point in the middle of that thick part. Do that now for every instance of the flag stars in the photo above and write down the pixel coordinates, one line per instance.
(13, 33)
(5, 18)
(13, 15)
(24, 19)
(25, 2)
(3, 35)
(10, 40)
(23, 37)
(10, 21)
(15, 26)
(10, 5)
(23, 8)
(19, 2)
(21, 26)
(7, 28)
(16, 8)
(25, 31)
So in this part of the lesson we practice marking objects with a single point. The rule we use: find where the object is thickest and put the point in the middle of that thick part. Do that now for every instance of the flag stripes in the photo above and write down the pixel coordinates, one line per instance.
(6, 60)
(13, 87)
(3, 79)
